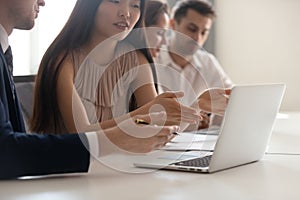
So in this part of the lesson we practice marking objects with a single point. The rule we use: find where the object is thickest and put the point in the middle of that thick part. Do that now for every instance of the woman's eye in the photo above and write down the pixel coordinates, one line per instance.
(115, 1)
(136, 3)
(136, 6)
(192, 29)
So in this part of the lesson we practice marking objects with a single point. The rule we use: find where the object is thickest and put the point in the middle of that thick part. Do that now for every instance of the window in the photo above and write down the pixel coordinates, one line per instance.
(29, 46)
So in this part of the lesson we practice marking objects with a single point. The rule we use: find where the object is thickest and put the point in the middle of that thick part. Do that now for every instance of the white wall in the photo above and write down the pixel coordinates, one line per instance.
(29, 46)
(258, 41)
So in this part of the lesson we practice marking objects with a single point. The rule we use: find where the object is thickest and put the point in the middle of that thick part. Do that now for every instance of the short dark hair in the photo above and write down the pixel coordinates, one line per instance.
(203, 7)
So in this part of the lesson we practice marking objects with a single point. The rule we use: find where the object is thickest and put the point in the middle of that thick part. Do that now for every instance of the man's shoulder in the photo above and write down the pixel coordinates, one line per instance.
(205, 57)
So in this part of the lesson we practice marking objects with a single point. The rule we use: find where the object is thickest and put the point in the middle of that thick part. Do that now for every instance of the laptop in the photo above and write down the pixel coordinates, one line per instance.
(244, 134)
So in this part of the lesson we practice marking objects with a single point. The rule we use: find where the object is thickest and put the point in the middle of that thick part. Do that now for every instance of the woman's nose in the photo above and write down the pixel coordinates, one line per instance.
(124, 11)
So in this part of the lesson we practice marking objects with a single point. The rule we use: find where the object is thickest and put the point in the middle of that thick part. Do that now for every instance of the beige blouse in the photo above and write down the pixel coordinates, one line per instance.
(105, 90)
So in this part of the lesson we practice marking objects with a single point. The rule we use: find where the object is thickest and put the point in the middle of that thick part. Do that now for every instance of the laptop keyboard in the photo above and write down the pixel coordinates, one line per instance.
(197, 162)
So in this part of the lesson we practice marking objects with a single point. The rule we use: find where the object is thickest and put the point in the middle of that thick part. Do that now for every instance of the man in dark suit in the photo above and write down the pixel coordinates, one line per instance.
(24, 154)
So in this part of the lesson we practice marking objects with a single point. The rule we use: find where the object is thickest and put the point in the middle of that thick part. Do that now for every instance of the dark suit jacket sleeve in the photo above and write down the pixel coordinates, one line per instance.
(24, 154)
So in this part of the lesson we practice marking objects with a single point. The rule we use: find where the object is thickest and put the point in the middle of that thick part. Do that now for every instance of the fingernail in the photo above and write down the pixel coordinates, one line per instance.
(162, 113)
(176, 128)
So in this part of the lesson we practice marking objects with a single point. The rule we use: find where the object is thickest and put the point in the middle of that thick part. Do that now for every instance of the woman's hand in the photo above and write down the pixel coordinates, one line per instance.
(176, 112)
(204, 123)
(214, 100)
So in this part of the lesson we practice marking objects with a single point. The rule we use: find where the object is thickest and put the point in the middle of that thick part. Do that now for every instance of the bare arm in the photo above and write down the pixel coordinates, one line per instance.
(75, 117)
(144, 89)
(70, 105)
(148, 101)
(68, 100)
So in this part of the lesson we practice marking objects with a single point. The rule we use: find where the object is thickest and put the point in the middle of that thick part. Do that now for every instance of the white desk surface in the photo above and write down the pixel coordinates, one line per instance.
(286, 134)
(274, 177)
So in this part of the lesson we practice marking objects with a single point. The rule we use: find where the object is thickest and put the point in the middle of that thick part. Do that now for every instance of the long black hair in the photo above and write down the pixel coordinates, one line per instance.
(77, 31)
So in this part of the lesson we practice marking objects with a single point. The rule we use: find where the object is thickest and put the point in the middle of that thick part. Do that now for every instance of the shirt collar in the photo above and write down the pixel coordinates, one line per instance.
(3, 38)
(165, 56)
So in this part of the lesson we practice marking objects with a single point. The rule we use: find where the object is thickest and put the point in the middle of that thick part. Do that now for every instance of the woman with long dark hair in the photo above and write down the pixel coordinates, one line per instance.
(157, 20)
(63, 99)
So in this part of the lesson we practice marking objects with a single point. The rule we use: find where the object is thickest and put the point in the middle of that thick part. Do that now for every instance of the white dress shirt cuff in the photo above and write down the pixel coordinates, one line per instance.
(93, 144)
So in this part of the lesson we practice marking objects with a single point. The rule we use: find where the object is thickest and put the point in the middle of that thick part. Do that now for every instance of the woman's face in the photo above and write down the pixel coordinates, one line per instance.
(156, 34)
(116, 17)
